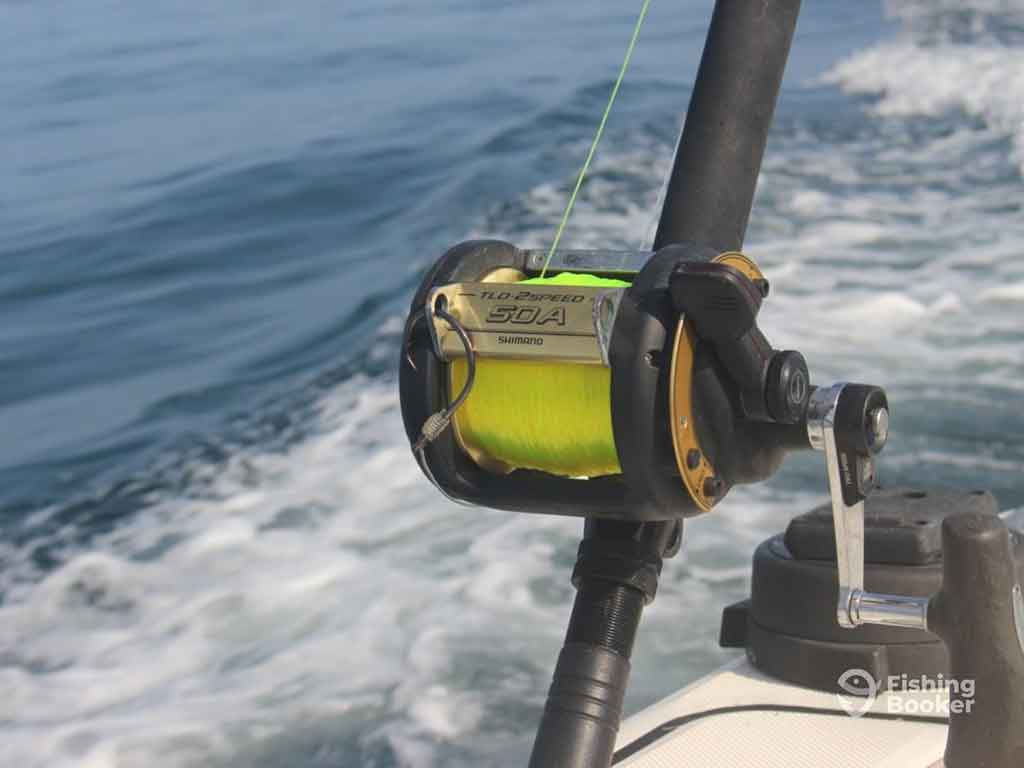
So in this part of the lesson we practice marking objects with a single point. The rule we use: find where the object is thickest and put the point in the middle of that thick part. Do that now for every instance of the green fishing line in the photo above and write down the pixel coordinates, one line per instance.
(598, 135)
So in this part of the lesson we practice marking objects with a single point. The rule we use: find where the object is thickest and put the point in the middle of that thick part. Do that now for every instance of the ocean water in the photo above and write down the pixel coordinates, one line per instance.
(215, 547)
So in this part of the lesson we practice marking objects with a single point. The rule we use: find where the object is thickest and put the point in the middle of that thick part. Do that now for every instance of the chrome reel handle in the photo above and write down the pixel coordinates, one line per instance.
(850, 423)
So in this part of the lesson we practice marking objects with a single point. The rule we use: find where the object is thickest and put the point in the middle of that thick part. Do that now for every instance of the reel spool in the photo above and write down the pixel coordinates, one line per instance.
(634, 386)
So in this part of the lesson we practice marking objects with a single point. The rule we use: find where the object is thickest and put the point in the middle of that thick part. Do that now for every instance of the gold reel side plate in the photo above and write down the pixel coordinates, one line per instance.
(694, 466)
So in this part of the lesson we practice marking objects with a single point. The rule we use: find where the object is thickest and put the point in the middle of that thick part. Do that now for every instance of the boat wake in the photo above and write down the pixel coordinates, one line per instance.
(311, 600)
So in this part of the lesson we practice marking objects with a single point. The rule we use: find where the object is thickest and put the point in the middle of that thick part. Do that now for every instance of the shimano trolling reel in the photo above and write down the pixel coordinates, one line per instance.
(699, 401)
(664, 351)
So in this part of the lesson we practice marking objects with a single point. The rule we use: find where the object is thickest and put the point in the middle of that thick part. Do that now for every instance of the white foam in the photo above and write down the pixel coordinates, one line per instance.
(328, 578)
(1014, 518)
(304, 579)
(616, 208)
(964, 461)
(945, 15)
(912, 77)
(1007, 293)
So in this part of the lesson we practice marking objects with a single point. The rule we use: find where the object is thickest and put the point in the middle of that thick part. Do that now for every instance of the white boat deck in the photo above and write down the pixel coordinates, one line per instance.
(739, 717)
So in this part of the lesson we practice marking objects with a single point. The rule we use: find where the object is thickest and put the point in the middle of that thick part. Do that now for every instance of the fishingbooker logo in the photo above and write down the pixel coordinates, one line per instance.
(861, 692)
(908, 695)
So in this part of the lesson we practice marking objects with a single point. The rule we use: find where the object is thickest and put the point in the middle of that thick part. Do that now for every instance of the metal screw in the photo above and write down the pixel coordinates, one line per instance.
(878, 427)
(693, 458)
(712, 487)
(606, 312)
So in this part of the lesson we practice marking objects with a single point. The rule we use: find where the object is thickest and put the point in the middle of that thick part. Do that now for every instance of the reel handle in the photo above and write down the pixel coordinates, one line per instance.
(850, 423)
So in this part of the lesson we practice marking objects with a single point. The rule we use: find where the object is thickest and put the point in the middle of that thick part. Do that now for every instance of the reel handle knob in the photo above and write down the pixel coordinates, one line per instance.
(788, 387)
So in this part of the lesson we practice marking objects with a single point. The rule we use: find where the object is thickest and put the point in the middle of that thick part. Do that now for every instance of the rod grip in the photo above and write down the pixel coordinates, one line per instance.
(584, 707)
(974, 615)
(581, 718)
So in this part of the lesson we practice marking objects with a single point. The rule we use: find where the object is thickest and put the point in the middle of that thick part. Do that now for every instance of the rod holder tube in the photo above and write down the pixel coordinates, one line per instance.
(711, 190)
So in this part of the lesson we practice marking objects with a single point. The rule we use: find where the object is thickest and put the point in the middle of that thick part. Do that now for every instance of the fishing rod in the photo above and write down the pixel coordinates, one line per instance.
(635, 389)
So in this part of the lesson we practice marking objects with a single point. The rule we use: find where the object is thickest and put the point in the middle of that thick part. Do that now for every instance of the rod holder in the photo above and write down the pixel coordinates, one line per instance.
(978, 613)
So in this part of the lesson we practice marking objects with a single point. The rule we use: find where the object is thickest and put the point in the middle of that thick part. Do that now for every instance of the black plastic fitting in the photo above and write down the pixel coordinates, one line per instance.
(788, 387)
(974, 615)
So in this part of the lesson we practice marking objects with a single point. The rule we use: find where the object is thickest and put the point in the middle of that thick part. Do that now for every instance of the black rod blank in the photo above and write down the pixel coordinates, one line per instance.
(718, 160)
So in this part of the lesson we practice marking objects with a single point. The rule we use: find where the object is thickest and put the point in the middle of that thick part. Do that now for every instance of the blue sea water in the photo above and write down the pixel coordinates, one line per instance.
(215, 547)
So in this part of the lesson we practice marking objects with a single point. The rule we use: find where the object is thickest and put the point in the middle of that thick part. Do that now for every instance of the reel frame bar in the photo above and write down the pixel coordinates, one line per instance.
(557, 323)
(597, 262)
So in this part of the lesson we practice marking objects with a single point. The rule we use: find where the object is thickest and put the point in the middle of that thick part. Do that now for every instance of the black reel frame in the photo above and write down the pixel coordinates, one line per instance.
(750, 401)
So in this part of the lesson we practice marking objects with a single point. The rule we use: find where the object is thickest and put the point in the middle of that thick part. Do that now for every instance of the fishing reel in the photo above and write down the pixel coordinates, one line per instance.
(637, 386)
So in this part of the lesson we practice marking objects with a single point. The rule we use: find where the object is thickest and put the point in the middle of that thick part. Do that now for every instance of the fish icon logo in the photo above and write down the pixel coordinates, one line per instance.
(861, 692)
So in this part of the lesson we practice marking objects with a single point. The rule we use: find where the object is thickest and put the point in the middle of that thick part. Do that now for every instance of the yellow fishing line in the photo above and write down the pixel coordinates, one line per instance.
(525, 414)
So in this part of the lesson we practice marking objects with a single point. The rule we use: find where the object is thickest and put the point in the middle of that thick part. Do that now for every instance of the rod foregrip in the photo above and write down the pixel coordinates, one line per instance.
(974, 613)
(584, 707)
